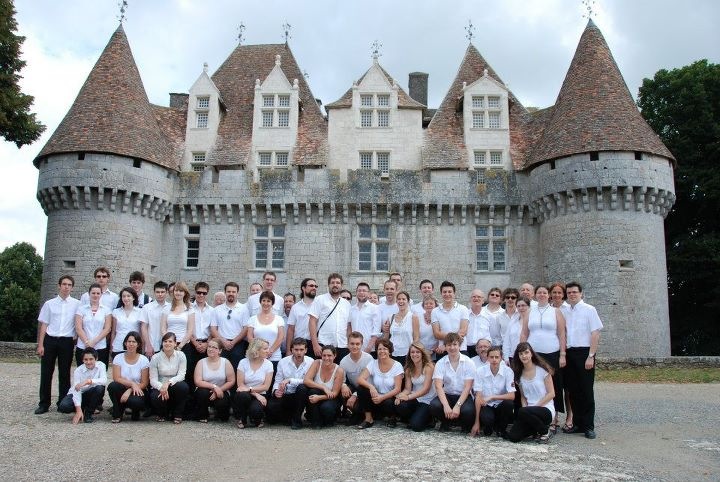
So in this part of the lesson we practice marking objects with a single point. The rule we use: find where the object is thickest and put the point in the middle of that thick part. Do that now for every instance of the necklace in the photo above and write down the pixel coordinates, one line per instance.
(542, 312)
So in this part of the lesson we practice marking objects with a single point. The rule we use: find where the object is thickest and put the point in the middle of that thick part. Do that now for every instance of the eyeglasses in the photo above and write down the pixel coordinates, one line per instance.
(346, 297)
(311, 286)
(102, 276)
(229, 313)
(511, 297)
(201, 293)
(494, 294)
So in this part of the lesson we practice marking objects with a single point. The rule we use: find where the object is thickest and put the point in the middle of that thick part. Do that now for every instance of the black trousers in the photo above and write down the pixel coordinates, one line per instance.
(530, 421)
(236, 354)
(221, 405)
(136, 403)
(103, 356)
(321, 414)
(91, 398)
(496, 418)
(554, 360)
(175, 404)
(580, 384)
(467, 411)
(57, 349)
(245, 405)
(386, 408)
(416, 414)
(288, 408)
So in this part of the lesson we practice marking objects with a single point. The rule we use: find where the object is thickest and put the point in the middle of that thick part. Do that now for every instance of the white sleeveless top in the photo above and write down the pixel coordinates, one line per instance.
(417, 384)
(542, 327)
(217, 377)
(328, 384)
(427, 338)
(92, 324)
(178, 324)
(534, 389)
(401, 334)
(124, 324)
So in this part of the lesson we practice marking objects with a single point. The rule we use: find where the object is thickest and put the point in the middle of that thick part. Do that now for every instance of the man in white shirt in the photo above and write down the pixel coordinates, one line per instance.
(151, 317)
(253, 302)
(450, 317)
(285, 403)
(230, 324)
(527, 290)
(481, 348)
(388, 305)
(137, 282)
(353, 363)
(55, 341)
(298, 323)
(583, 335)
(328, 319)
(478, 325)
(365, 318)
(427, 288)
(204, 314)
(494, 394)
(87, 389)
(108, 299)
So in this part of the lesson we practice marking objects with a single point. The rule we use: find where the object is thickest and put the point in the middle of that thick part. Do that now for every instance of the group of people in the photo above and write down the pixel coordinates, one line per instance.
(516, 361)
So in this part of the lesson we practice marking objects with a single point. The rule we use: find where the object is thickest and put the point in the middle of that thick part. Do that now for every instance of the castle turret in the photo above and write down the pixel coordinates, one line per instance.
(601, 183)
(105, 178)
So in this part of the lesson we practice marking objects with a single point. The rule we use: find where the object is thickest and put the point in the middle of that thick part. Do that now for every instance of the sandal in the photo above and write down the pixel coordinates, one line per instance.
(543, 439)
(203, 420)
(260, 424)
(568, 428)
(553, 428)
(365, 424)
(116, 420)
(159, 419)
(240, 425)
(177, 421)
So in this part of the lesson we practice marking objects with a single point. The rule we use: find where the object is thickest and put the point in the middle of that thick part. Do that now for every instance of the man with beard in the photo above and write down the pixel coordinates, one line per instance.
(230, 324)
(365, 318)
(297, 322)
(328, 319)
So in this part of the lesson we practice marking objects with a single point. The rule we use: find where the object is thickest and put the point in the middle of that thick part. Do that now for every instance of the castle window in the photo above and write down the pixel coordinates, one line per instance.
(478, 102)
(486, 112)
(366, 118)
(198, 162)
(270, 246)
(594, 156)
(496, 158)
(379, 115)
(273, 159)
(383, 100)
(283, 118)
(275, 110)
(366, 159)
(373, 247)
(366, 100)
(478, 120)
(480, 176)
(203, 102)
(383, 118)
(281, 159)
(265, 159)
(267, 118)
(494, 120)
(375, 160)
(192, 246)
(202, 120)
(283, 101)
(480, 158)
(493, 102)
(268, 101)
(490, 248)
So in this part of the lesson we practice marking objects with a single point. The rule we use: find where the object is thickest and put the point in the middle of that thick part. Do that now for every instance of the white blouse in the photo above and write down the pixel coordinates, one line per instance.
(384, 382)
(254, 378)
(92, 325)
(124, 324)
(133, 371)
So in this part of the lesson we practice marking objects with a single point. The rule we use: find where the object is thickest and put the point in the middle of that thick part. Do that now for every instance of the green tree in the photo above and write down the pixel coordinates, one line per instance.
(17, 123)
(20, 277)
(683, 107)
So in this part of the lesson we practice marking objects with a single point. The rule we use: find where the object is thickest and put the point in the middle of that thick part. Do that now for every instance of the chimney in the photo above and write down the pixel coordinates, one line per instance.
(418, 87)
(178, 101)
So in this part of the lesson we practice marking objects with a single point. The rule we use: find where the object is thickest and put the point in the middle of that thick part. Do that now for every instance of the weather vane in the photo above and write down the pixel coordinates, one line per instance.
(241, 31)
(286, 31)
(470, 29)
(376, 46)
(123, 8)
(306, 75)
(589, 7)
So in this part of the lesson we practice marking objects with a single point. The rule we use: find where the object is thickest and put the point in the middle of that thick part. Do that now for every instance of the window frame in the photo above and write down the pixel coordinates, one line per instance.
(202, 120)
(495, 240)
(270, 238)
(375, 263)
(375, 110)
(375, 161)
(192, 244)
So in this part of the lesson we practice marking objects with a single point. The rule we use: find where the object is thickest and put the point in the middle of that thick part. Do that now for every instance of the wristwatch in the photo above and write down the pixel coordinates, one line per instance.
(591, 355)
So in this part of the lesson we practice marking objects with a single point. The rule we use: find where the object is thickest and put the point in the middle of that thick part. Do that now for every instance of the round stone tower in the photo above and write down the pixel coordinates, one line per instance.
(601, 183)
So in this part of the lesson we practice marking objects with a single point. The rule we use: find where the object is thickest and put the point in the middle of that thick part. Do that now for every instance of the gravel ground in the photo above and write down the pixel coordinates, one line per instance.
(645, 432)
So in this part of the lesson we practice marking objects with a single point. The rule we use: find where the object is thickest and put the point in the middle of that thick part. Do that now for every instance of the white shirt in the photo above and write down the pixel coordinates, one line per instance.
(353, 368)
(253, 304)
(454, 379)
(383, 382)
(332, 329)
(495, 320)
(108, 299)
(487, 384)
(386, 310)
(478, 328)
(124, 324)
(203, 317)
(401, 334)
(93, 324)
(98, 375)
(298, 317)
(59, 316)
(449, 320)
(542, 329)
(534, 390)
(131, 372)
(178, 323)
(152, 316)
(268, 333)
(254, 378)
(581, 320)
(477, 361)
(418, 383)
(230, 320)
(286, 369)
(365, 318)
(164, 369)
(512, 335)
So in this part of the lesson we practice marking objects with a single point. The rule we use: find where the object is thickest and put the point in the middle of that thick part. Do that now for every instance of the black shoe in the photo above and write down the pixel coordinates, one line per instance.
(590, 434)
(296, 425)
(147, 413)
(391, 423)
(88, 416)
(135, 415)
(444, 427)
(365, 424)
(41, 409)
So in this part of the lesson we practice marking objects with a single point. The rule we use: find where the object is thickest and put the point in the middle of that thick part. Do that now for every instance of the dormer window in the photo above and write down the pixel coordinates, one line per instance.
(375, 160)
(273, 159)
(486, 112)
(202, 120)
(276, 110)
(203, 102)
(375, 110)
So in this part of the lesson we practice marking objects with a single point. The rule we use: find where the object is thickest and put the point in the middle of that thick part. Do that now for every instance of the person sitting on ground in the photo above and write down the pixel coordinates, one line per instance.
(413, 403)
(254, 377)
(378, 384)
(453, 378)
(494, 394)
(321, 388)
(214, 378)
(87, 389)
(169, 392)
(131, 377)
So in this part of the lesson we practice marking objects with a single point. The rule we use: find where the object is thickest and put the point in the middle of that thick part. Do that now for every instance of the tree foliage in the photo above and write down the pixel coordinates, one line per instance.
(20, 277)
(17, 123)
(683, 107)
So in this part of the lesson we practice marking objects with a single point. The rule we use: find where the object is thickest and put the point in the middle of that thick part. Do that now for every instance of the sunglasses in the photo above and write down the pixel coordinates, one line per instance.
(511, 297)
(229, 313)
(201, 293)
(102, 276)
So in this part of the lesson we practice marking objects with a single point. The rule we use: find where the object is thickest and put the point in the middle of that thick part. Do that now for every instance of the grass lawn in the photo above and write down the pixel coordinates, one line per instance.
(659, 375)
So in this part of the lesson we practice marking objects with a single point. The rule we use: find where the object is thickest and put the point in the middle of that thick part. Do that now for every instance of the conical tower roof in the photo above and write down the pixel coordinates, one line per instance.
(112, 113)
(594, 110)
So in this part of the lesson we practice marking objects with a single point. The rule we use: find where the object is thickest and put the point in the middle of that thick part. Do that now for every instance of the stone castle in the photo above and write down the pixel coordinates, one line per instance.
(245, 173)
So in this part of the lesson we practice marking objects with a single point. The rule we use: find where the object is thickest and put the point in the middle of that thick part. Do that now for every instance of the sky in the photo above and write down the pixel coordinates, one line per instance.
(529, 43)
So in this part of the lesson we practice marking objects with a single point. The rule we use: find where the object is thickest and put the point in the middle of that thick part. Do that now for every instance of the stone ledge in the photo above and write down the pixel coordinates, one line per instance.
(15, 349)
(610, 363)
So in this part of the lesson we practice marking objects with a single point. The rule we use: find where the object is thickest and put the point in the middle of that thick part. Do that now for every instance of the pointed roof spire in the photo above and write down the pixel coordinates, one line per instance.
(594, 110)
(111, 113)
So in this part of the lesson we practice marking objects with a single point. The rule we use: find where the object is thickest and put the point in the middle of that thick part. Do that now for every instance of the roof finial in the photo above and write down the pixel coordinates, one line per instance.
(205, 67)
(277, 60)
(241, 31)
(306, 75)
(589, 9)
(470, 29)
(123, 8)
(286, 31)
(376, 46)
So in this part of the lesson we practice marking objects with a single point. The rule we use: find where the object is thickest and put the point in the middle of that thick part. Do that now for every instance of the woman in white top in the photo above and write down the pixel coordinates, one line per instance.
(557, 300)
(131, 376)
(321, 388)
(493, 312)
(425, 333)
(254, 377)
(124, 320)
(268, 326)
(181, 318)
(545, 331)
(453, 378)
(92, 325)
(169, 391)
(403, 328)
(413, 403)
(534, 378)
(378, 384)
(512, 321)
(214, 378)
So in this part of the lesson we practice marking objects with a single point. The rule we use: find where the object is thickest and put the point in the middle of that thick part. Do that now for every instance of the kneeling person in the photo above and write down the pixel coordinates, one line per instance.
(285, 403)
(494, 395)
(87, 389)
